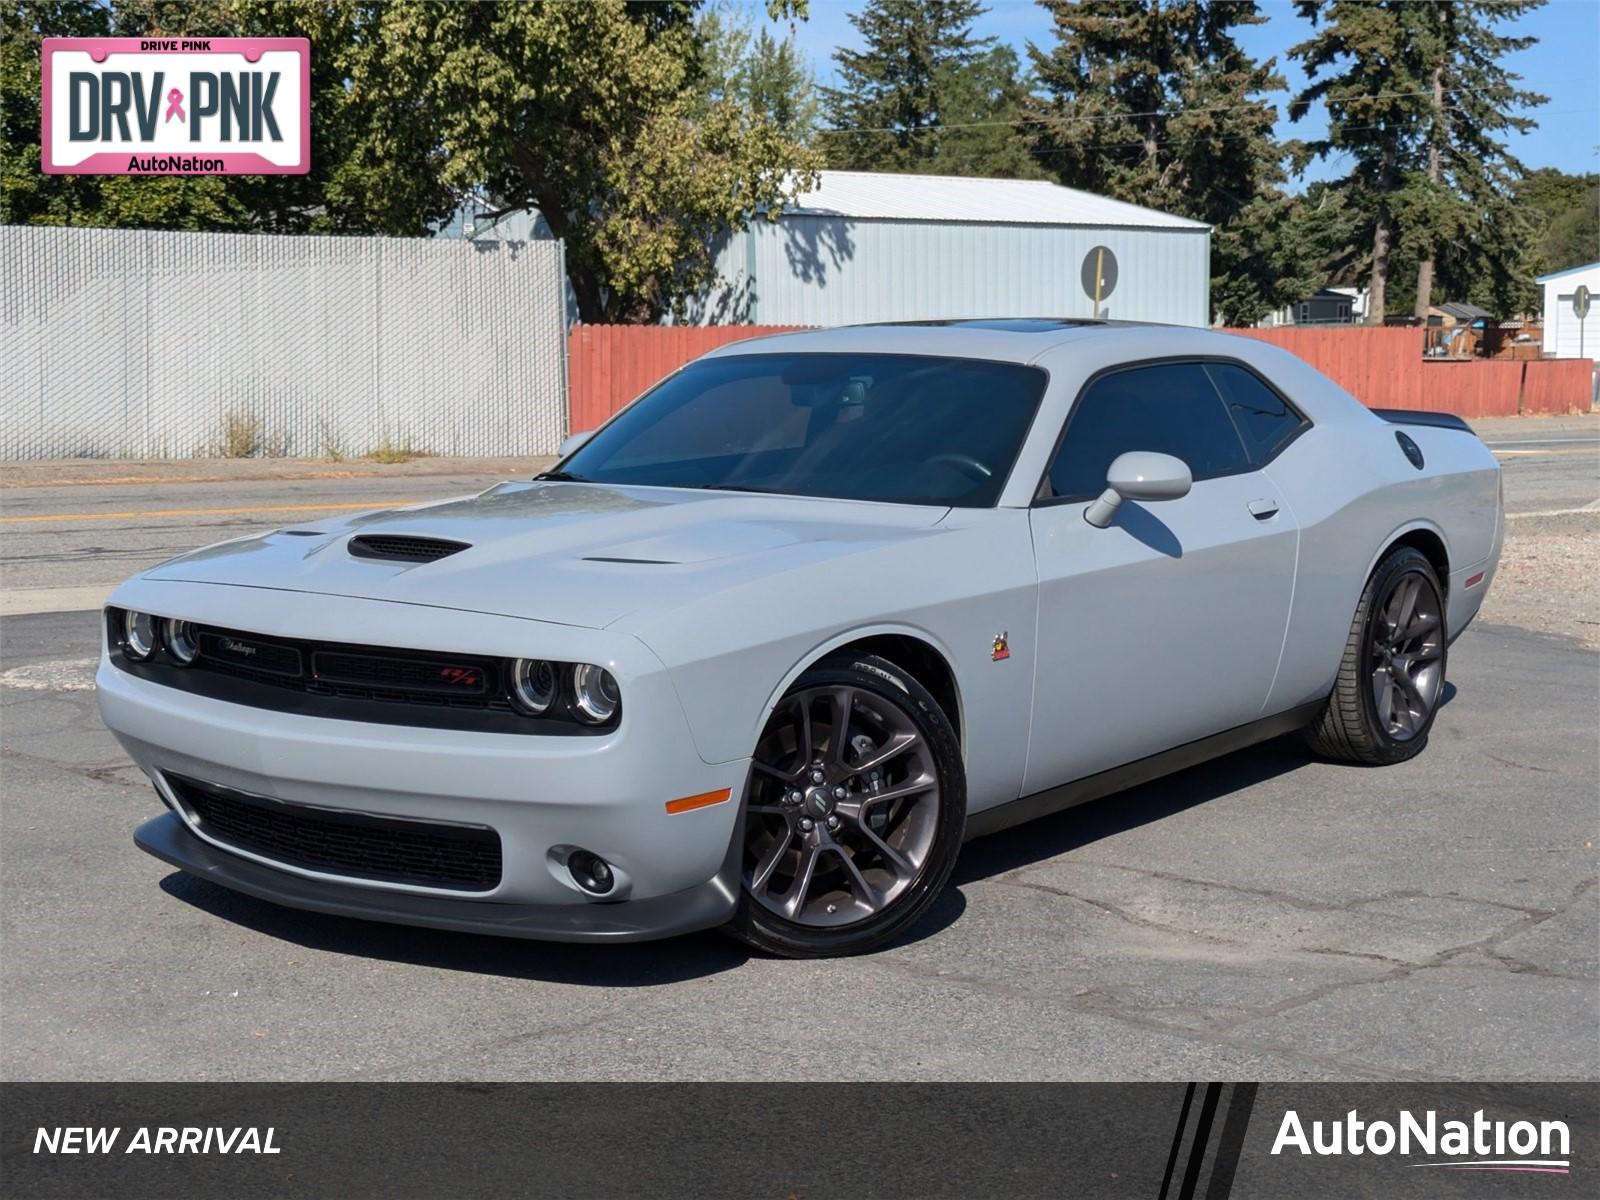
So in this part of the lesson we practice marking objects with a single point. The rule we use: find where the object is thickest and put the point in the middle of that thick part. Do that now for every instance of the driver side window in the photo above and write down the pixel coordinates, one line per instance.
(1170, 408)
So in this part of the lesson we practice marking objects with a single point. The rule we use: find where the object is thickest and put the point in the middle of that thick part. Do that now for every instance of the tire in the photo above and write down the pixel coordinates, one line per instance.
(1390, 680)
(870, 844)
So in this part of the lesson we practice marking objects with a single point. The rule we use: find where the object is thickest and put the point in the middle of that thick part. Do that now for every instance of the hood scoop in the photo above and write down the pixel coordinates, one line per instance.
(394, 548)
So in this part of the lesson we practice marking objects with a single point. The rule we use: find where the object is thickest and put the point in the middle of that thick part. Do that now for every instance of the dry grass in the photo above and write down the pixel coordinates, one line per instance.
(391, 451)
(332, 448)
(244, 435)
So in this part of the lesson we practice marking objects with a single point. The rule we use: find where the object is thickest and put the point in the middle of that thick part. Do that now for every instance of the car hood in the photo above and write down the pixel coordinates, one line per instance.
(571, 553)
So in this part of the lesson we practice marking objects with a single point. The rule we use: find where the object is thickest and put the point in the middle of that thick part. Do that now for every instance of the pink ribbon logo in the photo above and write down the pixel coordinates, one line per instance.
(175, 105)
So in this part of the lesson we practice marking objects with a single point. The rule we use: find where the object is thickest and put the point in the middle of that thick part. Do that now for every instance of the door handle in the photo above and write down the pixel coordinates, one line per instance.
(1263, 510)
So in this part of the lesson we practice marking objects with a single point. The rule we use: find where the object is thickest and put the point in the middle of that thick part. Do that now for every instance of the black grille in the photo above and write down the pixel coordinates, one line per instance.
(238, 653)
(404, 549)
(389, 673)
(354, 672)
(389, 849)
(345, 681)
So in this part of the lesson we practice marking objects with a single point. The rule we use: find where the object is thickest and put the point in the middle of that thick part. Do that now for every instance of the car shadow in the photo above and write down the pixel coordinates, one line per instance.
(695, 956)
(618, 965)
(626, 965)
(1085, 824)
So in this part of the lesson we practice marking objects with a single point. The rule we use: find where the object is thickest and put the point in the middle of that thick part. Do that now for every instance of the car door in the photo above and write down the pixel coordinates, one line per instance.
(1167, 625)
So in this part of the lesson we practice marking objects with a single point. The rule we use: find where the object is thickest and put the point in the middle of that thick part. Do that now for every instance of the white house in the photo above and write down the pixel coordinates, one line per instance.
(1564, 335)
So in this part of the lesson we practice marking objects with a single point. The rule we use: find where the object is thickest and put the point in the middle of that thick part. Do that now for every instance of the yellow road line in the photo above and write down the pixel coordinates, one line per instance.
(202, 512)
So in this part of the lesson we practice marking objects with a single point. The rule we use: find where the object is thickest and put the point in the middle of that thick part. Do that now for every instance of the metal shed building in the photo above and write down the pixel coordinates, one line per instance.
(880, 247)
(1565, 336)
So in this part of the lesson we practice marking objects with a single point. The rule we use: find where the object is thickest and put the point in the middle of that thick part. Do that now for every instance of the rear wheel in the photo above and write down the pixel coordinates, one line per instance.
(854, 812)
(1392, 675)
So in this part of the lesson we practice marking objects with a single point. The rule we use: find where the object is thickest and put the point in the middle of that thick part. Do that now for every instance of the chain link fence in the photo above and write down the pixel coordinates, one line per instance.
(140, 344)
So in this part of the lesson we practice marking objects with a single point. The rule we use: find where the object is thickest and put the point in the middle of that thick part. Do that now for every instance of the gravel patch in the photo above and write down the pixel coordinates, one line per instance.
(1549, 577)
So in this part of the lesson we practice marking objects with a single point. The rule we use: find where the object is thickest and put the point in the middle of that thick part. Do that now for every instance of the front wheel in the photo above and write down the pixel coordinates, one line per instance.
(854, 812)
(1392, 675)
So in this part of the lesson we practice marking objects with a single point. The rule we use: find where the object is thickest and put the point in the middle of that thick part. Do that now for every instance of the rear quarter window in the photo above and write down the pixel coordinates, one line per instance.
(1265, 421)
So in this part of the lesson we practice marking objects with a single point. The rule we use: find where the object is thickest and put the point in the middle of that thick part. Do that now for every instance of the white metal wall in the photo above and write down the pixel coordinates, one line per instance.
(135, 343)
(836, 271)
(1564, 335)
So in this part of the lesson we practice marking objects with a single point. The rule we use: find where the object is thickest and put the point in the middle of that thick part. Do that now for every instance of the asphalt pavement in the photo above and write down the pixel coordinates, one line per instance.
(1264, 916)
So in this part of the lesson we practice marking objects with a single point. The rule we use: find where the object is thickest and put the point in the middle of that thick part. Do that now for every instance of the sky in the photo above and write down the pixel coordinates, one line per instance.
(1564, 64)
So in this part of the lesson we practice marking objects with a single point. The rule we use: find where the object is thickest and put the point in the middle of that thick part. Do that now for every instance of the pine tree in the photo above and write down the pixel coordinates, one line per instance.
(779, 86)
(1417, 98)
(982, 110)
(1375, 84)
(1157, 104)
(766, 77)
(896, 93)
(1469, 177)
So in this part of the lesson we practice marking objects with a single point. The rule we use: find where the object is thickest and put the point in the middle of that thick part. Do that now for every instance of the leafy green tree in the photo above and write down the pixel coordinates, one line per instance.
(348, 190)
(1567, 211)
(1157, 104)
(587, 112)
(922, 71)
(593, 118)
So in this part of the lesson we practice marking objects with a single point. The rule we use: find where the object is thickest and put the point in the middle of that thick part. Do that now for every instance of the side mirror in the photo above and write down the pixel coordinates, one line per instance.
(1139, 475)
(573, 442)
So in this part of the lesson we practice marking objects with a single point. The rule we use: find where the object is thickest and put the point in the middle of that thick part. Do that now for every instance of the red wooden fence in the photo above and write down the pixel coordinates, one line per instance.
(1384, 368)
(608, 365)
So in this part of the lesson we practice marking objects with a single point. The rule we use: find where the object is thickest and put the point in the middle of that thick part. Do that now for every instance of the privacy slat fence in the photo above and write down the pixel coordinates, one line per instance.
(133, 343)
(609, 365)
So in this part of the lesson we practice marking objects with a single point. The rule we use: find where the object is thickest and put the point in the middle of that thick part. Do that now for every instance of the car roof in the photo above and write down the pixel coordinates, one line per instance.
(1003, 339)
(1089, 346)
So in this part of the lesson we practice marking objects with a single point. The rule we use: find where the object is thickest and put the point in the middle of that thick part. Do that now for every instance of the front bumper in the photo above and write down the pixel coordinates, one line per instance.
(710, 904)
(543, 795)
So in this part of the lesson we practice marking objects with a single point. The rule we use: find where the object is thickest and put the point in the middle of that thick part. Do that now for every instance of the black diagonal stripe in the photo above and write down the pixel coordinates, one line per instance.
(1231, 1143)
(1202, 1135)
(1177, 1140)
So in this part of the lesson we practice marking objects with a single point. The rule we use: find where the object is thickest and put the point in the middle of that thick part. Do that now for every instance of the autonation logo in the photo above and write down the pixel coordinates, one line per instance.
(1480, 1144)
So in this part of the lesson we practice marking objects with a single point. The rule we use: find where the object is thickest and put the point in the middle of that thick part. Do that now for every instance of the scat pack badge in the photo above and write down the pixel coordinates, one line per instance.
(1002, 647)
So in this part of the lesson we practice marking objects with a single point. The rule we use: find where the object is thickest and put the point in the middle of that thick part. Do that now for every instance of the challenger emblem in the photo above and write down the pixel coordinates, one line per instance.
(1002, 649)
(242, 649)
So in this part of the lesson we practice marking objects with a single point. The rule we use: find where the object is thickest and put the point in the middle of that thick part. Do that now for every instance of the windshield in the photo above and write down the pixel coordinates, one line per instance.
(899, 428)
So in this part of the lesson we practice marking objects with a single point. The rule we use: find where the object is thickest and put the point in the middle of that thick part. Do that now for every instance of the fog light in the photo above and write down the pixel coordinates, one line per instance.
(590, 872)
(138, 635)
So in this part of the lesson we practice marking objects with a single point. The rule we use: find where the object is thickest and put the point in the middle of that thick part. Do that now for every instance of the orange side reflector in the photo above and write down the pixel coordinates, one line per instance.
(704, 800)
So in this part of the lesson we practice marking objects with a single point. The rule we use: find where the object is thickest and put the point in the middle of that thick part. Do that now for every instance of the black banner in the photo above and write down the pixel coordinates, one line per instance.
(800, 1141)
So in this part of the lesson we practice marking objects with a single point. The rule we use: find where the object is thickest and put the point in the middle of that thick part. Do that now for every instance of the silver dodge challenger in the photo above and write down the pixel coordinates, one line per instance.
(763, 650)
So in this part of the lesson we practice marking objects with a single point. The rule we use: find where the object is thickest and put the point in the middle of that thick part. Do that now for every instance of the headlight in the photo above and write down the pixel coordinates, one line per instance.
(138, 635)
(595, 698)
(180, 641)
(533, 686)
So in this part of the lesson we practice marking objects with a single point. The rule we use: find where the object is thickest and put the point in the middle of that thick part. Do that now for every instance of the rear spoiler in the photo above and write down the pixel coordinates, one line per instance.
(1407, 416)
